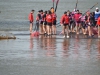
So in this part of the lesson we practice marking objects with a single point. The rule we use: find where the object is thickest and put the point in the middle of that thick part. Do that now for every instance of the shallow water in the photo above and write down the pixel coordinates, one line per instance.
(41, 55)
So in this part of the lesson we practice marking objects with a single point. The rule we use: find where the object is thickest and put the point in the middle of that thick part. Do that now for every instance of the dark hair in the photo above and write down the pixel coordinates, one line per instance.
(41, 10)
(68, 10)
(45, 12)
(33, 10)
(65, 12)
(52, 7)
(77, 10)
(49, 12)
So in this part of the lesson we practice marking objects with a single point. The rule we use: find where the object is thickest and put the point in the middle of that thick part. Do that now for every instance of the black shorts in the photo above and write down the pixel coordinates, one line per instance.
(30, 22)
(45, 23)
(65, 24)
(41, 22)
(95, 23)
(54, 22)
(49, 23)
(77, 22)
(83, 24)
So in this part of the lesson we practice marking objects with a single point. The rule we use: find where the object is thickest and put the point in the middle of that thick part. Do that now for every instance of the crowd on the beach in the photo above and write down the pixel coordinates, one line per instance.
(75, 21)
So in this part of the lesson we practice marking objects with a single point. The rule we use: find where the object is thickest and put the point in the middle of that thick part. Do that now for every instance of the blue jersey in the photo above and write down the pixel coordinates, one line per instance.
(97, 14)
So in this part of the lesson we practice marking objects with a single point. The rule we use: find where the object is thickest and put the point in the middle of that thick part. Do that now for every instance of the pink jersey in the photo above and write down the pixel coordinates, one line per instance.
(77, 17)
(83, 18)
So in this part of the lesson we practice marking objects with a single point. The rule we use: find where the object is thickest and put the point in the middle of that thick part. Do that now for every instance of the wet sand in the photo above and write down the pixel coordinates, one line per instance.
(49, 56)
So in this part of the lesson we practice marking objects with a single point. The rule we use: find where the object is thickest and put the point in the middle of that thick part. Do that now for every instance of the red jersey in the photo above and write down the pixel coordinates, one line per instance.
(53, 16)
(98, 21)
(30, 17)
(49, 18)
(64, 19)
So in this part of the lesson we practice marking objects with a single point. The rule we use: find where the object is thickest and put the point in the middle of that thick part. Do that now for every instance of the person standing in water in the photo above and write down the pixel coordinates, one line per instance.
(31, 19)
(54, 16)
(77, 19)
(65, 23)
(97, 14)
(41, 22)
(44, 23)
(88, 23)
(38, 17)
(49, 22)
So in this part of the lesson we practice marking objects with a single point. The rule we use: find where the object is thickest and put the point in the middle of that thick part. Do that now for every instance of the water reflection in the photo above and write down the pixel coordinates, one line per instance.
(31, 42)
(74, 48)
(89, 42)
(76, 44)
(48, 43)
(65, 47)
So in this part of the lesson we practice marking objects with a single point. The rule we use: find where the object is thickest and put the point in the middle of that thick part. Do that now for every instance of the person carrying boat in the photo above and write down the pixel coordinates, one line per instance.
(65, 24)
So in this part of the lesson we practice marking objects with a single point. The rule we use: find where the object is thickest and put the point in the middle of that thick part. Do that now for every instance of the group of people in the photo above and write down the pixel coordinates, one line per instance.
(45, 21)
(70, 22)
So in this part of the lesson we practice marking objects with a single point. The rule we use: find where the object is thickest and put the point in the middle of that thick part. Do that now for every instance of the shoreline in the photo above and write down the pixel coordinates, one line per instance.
(15, 34)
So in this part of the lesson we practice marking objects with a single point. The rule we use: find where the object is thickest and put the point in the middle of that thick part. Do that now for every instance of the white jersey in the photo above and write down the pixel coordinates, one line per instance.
(97, 14)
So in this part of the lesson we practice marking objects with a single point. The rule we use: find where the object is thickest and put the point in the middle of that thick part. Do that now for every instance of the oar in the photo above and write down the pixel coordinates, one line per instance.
(90, 8)
(76, 5)
(53, 2)
(59, 24)
(56, 5)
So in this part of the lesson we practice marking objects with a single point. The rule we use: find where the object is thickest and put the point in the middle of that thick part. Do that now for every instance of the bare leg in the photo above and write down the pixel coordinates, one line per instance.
(50, 29)
(41, 29)
(77, 29)
(89, 30)
(54, 29)
(44, 29)
(64, 29)
(31, 27)
(98, 31)
(67, 31)
(48, 32)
